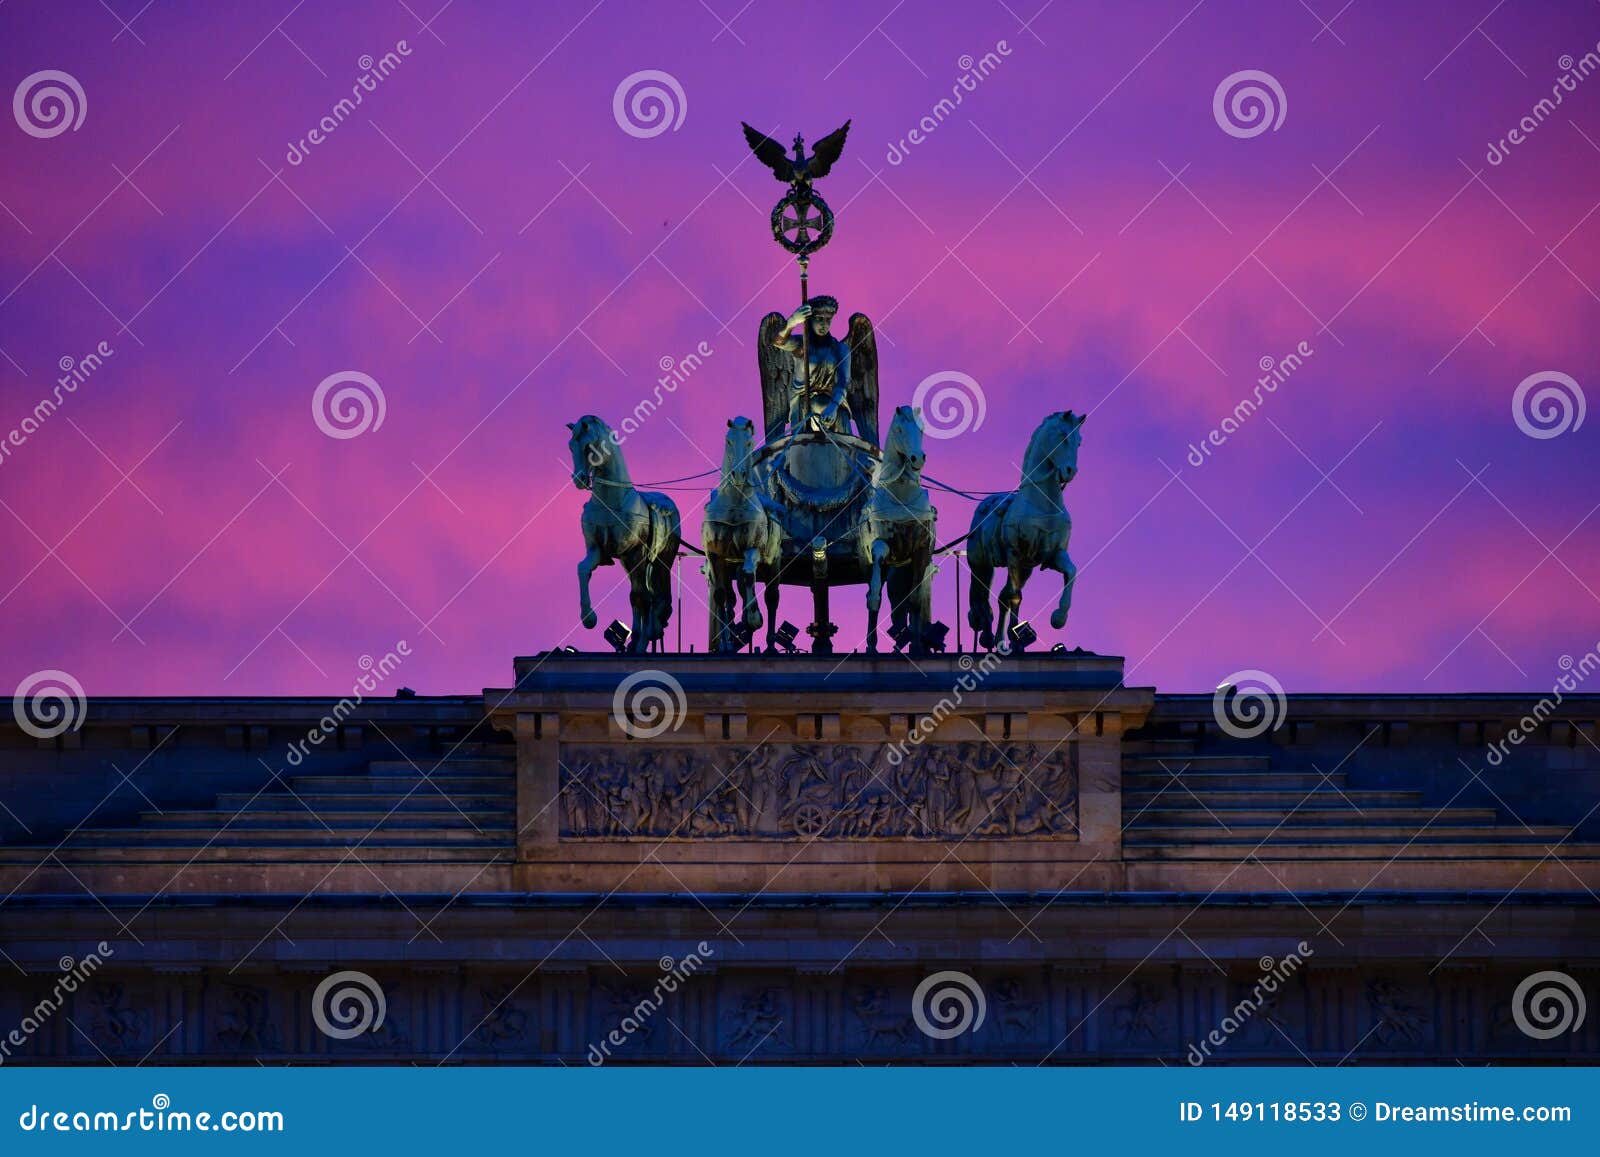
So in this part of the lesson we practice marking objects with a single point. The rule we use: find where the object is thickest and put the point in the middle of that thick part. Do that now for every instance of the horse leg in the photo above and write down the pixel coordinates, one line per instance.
(639, 599)
(717, 583)
(880, 551)
(980, 616)
(661, 569)
(1011, 597)
(1069, 573)
(747, 584)
(585, 569)
(773, 592)
(922, 598)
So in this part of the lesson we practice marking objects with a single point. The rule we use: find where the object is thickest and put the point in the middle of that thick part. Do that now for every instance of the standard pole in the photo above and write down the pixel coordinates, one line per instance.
(957, 554)
(805, 330)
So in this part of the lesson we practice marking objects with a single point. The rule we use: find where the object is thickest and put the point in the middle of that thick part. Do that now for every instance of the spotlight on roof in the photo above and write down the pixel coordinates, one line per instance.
(617, 634)
(785, 637)
(1023, 636)
(933, 636)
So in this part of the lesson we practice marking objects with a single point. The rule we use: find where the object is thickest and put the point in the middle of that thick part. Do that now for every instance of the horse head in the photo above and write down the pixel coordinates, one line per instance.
(1053, 451)
(738, 452)
(902, 449)
(593, 447)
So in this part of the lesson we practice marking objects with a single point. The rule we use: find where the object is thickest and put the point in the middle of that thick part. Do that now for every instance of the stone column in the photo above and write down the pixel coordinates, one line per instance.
(1099, 745)
(538, 784)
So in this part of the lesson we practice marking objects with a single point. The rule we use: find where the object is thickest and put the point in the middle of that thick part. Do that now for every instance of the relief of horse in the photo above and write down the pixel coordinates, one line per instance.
(640, 529)
(742, 540)
(899, 537)
(1026, 528)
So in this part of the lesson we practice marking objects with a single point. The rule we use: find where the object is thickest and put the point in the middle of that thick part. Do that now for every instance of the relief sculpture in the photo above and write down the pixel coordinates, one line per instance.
(806, 791)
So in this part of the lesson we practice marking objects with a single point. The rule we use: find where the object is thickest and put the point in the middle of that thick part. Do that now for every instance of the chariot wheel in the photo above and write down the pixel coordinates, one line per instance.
(809, 819)
(802, 222)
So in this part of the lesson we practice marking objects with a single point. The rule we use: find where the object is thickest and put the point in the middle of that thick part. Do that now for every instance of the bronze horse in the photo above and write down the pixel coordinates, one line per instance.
(899, 538)
(1026, 528)
(741, 538)
(642, 530)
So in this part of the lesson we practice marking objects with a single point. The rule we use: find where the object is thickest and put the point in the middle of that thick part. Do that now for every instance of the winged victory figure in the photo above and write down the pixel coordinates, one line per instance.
(843, 379)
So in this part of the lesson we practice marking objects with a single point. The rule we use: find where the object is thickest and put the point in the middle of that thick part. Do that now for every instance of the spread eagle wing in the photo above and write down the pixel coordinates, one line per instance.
(776, 367)
(771, 154)
(826, 151)
(863, 390)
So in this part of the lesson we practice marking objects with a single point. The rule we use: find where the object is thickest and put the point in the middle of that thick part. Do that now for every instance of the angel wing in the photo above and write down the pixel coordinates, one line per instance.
(771, 154)
(776, 367)
(826, 151)
(863, 390)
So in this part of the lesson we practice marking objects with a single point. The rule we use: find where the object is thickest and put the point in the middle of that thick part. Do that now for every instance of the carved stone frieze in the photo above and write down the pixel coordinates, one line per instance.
(831, 791)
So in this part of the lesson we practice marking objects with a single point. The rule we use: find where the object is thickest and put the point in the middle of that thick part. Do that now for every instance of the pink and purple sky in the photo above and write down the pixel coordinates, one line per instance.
(483, 238)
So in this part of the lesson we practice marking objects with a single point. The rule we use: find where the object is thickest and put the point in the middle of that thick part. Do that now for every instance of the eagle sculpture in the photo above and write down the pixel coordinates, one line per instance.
(799, 170)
